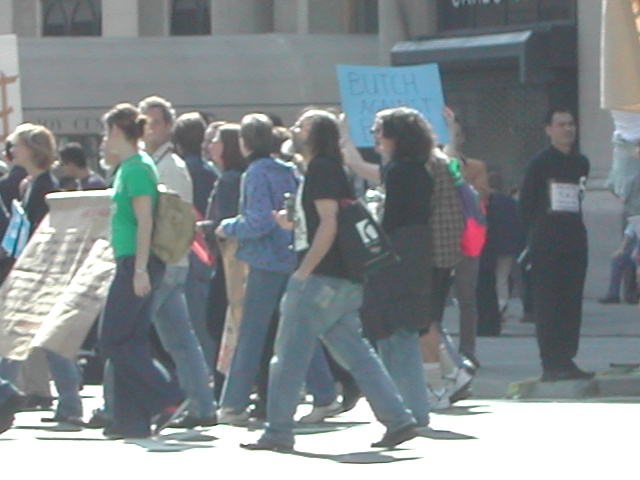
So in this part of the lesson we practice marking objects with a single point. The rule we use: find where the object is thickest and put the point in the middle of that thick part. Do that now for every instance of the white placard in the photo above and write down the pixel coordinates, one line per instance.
(10, 99)
(565, 197)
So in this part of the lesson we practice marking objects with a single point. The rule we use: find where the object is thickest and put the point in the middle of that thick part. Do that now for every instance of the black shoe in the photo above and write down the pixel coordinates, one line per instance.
(8, 410)
(350, 395)
(98, 419)
(63, 419)
(264, 445)
(609, 300)
(258, 411)
(391, 439)
(568, 374)
(163, 419)
(191, 421)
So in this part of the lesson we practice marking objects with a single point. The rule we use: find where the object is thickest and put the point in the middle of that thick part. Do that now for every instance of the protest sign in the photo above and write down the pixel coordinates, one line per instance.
(59, 284)
(366, 90)
(17, 234)
(10, 100)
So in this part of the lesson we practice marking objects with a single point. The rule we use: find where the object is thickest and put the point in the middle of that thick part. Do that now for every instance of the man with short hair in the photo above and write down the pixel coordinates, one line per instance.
(551, 209)
(74, 165)
(170, 310)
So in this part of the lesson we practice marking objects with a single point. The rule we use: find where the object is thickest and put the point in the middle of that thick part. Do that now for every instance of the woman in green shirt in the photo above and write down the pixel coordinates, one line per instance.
(142, 396)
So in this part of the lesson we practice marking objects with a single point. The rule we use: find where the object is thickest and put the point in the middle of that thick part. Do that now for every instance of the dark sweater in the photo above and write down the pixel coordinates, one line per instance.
(547, 229)
(34, 202)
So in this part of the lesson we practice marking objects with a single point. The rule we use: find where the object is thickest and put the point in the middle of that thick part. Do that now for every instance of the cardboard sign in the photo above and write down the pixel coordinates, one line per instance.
(10, 100)
(367, 90)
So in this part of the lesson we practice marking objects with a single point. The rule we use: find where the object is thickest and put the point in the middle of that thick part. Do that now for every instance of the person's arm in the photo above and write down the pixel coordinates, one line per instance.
(479, 179)
(256, 219)
(352, 157)
(142, 206)
(529, 196)
(323, 239)
(453, 147)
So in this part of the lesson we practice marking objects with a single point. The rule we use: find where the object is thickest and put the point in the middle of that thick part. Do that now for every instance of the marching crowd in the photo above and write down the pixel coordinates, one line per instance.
(271, 301)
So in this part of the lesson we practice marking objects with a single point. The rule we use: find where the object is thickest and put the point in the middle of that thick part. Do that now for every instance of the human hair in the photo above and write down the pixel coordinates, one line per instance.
(188, 133)
(256, 131)
(168, 112)
(73, 153)
(323, 139)
(40, 142)
(548, 118)
(229, 135)
(280, 135)
(8, 145)
(413, 135)
(128, 119)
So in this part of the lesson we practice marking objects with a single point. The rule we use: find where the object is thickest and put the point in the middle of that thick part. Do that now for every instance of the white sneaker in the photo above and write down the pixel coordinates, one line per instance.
(318, 414)
(438, 399)
(459, 380)
(228, 416)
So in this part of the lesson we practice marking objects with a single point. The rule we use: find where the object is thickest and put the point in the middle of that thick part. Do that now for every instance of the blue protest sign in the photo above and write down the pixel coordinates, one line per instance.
(366, 90)
(17, 234)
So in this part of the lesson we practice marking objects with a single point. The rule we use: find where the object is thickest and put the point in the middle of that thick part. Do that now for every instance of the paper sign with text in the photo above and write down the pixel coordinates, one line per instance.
(366, 90)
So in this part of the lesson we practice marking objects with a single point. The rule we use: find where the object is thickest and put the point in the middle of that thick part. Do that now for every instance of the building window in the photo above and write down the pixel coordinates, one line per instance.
(469, 14)
(63, 18)
(362, 16)
(190, 17)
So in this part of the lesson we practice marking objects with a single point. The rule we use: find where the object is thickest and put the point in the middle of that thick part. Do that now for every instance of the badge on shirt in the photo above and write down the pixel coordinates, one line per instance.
(565, 197)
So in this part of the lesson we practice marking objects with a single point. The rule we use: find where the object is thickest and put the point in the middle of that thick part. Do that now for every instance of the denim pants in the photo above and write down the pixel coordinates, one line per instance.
(325, 308)
(263, 293)
(66, 377)
(402, 357)
(170, 315)
(140, 389)
(196, 292)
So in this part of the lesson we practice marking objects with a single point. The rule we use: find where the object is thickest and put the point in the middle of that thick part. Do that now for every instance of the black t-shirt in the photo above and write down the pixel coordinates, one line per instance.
(325, 179)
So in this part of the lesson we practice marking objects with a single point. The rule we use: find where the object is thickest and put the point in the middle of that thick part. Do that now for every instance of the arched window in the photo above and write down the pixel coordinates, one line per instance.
(190, 17)
(71, 18)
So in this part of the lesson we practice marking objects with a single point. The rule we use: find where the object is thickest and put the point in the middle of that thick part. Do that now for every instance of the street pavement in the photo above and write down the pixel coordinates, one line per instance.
(476, 439)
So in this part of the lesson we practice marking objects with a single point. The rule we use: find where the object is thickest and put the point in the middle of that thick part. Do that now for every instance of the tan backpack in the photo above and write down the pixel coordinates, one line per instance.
(174, 226)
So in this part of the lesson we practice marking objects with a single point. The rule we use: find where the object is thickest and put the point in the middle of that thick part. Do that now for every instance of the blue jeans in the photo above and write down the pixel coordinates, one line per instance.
(325, 308)
(401, 354)
(170, 316)
(618, 267)
(197, 295)
(66, 378)
(262, 295)
(140, 389)
(7, 390)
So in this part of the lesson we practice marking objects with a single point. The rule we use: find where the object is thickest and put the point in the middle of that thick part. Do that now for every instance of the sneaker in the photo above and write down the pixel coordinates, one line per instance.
(438, 399)
(391, 439)
(319, 413)
(457, 382)
(228, 416)
(163, 419)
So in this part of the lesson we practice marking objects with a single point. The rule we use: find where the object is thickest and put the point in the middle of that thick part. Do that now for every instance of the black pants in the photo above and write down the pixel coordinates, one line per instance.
(558, 283)
(489, 323)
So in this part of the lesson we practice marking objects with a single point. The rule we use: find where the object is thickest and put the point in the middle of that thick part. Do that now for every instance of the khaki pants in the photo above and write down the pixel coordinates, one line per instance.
(235, 272)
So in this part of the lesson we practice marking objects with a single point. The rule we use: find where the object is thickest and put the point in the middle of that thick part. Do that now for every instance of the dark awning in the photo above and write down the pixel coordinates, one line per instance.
(535, 52)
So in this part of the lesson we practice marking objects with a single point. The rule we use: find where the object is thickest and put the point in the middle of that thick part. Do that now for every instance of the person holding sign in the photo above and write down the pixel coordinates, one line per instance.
(142, 395)
(551, 209)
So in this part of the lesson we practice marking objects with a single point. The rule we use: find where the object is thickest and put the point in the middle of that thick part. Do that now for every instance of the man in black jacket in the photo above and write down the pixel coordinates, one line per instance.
(551, 208)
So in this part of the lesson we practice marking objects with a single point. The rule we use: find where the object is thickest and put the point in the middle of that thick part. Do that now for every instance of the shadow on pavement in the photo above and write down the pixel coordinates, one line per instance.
(463, 411)
(445, 435)
(356, 458)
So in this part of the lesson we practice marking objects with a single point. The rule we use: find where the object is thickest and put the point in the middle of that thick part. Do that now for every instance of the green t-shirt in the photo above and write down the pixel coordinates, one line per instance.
(136, 177)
